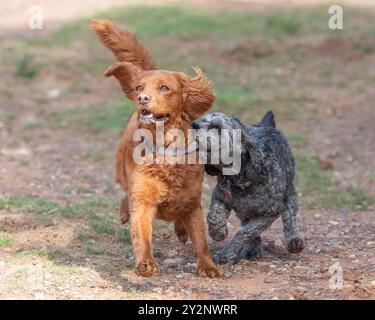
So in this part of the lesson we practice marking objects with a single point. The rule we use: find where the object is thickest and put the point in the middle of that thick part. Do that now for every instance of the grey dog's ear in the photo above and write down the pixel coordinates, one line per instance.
(195, 125)
(211, 170)
(245, 142)
(217, 122)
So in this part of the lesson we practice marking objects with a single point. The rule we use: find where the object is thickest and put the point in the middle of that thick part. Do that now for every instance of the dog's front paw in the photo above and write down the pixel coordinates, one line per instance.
(226, 256)
(209, 270)
(146, 267)
(295, 245)
(218, 234)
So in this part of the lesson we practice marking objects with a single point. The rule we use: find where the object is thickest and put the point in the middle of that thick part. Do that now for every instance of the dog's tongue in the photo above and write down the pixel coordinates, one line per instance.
(228, 195)
(146, 114)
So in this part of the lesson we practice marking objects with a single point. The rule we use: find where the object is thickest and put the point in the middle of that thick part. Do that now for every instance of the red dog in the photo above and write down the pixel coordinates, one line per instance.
(163, 191)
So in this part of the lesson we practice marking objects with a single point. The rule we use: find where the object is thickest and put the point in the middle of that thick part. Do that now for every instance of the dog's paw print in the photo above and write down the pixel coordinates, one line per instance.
(146, 267)
(295, 245)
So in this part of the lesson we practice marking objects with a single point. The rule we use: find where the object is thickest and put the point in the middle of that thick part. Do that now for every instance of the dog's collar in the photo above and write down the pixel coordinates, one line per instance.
(226, 183)
(243, 185)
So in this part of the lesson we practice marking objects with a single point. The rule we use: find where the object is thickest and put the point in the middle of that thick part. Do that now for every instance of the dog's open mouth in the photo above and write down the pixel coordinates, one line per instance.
(148, 117)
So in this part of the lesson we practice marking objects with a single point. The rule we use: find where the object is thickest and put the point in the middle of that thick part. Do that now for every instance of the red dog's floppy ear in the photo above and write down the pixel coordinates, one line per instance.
(125, 73)
(197, 94)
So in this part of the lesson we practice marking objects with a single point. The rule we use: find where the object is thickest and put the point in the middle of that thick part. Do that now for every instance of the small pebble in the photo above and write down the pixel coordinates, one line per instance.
(301, 289)
(187, 291)
(158, 290)
(268, 280)
(39, 296)
(333, 222)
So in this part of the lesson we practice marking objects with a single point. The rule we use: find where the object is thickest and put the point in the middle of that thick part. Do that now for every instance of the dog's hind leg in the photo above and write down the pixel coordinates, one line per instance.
(253, 250)
(231, 253)
(293, 242)
(180, 231)
(124, 210)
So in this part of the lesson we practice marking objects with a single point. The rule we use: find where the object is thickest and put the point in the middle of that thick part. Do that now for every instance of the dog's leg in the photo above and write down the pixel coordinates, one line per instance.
(141, 230)
(144, 197)
(217, 219)
(293, 242)
(253, 250)
(124, 210)
(252, 230)
(194, 224)
(180, 231)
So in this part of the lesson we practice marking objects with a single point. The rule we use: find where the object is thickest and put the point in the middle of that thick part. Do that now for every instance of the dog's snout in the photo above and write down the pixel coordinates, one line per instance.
(144, 98)
(216, 122)
(197, 125)
(200, 125)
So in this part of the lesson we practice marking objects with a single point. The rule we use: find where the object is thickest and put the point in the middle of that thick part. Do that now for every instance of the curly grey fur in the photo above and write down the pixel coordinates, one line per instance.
(262, 191)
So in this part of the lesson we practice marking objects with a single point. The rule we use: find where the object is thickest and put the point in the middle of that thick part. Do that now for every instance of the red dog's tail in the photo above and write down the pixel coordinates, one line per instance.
(124, 44)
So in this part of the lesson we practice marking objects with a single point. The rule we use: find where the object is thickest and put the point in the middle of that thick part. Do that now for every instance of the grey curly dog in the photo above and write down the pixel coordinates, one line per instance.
(262, 191)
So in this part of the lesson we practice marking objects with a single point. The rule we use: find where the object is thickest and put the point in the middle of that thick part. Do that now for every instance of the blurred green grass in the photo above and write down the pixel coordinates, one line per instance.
(189, 24)
(100, 215)
(321, 190)
(110, 116)
(5, 240)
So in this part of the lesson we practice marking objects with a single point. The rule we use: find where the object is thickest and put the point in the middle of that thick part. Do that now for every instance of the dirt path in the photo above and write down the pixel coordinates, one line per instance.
(66, 272)
(51, 251)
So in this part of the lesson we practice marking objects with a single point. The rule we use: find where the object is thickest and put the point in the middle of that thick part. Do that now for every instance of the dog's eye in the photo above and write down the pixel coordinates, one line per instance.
(164, 88)
(138, 88)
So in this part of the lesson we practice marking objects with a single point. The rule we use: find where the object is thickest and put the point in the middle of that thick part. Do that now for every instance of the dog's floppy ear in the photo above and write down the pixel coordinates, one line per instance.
(197, 95)
(211, 170)
(246, 142)
(125, 73)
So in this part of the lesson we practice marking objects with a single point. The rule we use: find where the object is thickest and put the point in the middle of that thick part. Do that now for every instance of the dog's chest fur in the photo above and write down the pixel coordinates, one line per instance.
(176, 180)
(251, 201)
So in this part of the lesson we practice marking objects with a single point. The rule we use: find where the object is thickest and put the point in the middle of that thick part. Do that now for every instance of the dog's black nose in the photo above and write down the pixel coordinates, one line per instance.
(195, 125)
(200, 125)
(144, 98)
